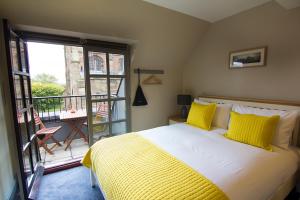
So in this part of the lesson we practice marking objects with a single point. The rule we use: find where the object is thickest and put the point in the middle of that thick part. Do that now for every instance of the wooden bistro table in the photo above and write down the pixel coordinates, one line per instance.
(75, 121)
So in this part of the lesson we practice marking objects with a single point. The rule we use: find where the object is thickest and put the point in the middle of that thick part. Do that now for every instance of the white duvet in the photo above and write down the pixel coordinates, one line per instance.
(241, 171)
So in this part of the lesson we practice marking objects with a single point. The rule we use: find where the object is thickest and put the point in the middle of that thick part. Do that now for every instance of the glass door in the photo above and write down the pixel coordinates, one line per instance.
(23, 110)
(106, 76)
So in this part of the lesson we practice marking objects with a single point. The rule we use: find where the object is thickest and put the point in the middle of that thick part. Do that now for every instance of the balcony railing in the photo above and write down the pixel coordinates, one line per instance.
(50, 107)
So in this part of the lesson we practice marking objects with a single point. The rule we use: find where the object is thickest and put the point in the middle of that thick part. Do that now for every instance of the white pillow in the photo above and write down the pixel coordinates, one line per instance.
(285, 126)
(221, 116)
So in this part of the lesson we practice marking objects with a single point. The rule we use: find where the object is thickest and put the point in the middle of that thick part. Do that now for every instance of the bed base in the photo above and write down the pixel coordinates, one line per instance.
(283, 190)
(93, 179)
(95, 182)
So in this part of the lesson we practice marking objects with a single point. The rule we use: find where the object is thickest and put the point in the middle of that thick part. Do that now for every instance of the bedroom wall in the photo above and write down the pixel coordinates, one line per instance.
(6, 172)
(164, 40)
(7, 180)
(207, 69)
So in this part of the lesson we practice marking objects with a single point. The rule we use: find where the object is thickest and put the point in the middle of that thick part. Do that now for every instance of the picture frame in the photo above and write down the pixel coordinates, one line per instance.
(255, 57)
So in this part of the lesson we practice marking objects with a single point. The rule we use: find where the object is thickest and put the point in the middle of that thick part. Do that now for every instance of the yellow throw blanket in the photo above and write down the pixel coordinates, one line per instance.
(130, 167)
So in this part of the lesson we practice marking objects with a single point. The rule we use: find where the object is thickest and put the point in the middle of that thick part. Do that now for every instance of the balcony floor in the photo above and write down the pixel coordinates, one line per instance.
(76, 151)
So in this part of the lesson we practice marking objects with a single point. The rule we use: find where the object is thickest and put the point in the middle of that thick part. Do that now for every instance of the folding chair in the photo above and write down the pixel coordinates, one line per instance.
(44, 134)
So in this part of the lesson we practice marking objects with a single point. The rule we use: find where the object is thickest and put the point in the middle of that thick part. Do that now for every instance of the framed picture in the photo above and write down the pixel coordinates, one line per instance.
(248, 58)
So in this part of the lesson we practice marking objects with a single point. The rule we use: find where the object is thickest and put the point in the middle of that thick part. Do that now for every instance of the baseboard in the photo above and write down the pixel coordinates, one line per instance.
(14, 195)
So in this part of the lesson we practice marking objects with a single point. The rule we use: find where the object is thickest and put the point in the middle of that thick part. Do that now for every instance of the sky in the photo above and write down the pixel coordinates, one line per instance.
(47, 58)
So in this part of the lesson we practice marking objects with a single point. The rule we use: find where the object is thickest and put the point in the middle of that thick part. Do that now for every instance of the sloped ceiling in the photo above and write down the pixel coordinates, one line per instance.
(215, 10)
(289, 4)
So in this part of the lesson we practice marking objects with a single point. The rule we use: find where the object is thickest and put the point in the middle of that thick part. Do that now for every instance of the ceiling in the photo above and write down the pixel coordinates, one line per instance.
(215, 10)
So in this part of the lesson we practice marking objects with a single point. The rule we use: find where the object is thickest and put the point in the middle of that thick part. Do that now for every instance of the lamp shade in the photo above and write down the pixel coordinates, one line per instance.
(140, 99)
(184, 99)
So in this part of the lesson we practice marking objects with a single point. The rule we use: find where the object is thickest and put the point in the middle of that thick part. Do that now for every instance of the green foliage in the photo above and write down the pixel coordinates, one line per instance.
(39, 89)
(45, 78)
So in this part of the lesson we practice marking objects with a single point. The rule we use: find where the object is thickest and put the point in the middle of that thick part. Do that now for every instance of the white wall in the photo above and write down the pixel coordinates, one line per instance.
(164, 40)
(6, 172)
(7, 180)
(207, 69)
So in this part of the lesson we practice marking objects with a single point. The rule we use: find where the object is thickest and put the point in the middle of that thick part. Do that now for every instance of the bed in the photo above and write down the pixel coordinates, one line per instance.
(239, 170)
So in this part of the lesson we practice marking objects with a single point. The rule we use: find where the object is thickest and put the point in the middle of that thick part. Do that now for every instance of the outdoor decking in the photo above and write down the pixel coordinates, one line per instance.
(50, 109)
(77, 149)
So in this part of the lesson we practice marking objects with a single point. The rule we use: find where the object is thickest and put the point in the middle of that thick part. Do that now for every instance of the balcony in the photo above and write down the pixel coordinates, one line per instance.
(50, 109)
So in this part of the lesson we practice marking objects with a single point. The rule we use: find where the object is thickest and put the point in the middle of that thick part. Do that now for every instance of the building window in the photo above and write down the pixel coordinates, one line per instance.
(96, 64)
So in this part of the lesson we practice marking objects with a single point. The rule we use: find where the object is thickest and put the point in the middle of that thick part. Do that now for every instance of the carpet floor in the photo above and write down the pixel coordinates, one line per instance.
(75, 184)
(69, 185)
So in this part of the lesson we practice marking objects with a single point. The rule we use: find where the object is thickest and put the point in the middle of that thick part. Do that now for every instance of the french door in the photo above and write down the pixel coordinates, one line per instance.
(20, 88)
(107, 90)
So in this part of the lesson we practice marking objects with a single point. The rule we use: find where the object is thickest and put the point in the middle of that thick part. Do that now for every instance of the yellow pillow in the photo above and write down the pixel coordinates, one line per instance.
(201, 115)
(252, 129)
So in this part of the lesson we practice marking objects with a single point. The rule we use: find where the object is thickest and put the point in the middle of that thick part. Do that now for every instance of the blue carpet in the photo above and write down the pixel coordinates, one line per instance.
(69, 185)
(74, 184)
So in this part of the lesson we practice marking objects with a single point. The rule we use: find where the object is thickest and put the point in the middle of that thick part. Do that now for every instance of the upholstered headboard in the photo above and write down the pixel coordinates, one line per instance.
(260, 103)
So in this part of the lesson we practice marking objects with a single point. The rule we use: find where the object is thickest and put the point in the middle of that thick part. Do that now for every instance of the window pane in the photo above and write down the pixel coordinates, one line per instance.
(26, 88)
(100, 120)
(26, 162)
(31, 124)
(18, 94)
(100, 112)
(100, 131)
(116, 64)
(22, 52)
(22, 128)
(117, 87)
(34, 154)
(99, 88)
(14, 54)
(119, 128)
(97, 63)
(118, 110)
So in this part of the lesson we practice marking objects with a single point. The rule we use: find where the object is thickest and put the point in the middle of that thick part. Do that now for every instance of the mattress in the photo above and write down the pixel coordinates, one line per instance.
(240, 170)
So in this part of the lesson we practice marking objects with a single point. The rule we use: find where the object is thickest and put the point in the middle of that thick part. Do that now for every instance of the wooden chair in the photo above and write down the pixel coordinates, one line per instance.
(44, 134)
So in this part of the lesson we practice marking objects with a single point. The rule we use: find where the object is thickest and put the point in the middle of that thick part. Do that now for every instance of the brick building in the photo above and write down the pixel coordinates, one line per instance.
(75, 84)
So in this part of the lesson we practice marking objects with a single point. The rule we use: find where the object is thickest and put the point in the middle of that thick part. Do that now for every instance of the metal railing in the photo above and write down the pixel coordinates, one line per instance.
(50, 107)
